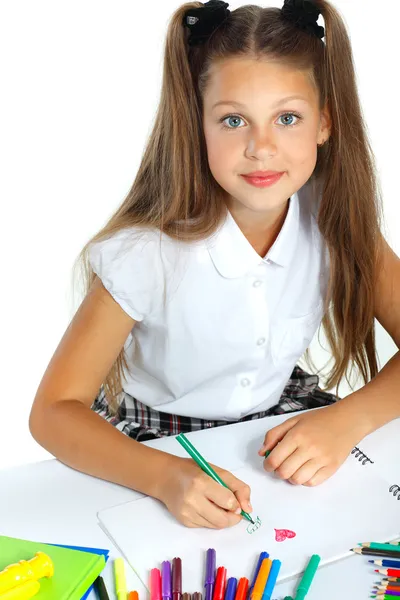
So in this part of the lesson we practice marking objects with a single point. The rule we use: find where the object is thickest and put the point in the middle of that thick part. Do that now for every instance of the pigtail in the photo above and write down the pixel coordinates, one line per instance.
(179, 138)
(350, 214)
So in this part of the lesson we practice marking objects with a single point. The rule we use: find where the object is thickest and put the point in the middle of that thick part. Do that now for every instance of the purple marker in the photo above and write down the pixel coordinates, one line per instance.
(166, 580)
(210, 573)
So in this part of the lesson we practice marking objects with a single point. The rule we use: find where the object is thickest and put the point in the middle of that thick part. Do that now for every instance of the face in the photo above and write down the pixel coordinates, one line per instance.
(264, 133)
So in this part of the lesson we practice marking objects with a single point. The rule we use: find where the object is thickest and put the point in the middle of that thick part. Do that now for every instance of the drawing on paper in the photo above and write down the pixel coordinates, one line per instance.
(252, 528)
(283, 534)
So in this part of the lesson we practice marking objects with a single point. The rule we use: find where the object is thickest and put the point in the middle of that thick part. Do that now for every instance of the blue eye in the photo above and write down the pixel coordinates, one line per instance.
(290, 115)
(229, 117)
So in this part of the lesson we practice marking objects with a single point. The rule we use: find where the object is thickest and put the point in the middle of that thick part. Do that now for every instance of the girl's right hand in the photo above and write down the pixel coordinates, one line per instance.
(196, 500)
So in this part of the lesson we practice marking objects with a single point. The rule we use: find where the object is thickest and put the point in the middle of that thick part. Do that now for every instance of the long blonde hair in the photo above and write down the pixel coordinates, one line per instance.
(175, 192)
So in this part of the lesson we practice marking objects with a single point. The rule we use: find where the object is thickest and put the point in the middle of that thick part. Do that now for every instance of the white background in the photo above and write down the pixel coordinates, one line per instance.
(80, 85)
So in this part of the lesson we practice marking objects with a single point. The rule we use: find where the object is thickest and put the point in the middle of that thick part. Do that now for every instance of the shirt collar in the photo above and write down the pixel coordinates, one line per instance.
(233, 255)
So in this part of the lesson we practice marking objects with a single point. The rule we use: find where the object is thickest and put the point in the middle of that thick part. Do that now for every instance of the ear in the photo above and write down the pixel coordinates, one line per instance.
(325, 125)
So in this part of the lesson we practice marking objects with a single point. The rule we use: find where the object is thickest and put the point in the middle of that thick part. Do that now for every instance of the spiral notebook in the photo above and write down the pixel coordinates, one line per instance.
(364, 459)
(378, 452)
(296, 521)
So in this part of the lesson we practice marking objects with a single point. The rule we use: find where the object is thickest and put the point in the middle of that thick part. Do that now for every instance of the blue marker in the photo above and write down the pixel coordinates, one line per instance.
(261, 558)
(271, 581)
(230, 591)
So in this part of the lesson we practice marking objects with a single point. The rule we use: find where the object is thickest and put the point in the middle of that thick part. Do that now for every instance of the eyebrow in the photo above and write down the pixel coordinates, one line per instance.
(240, 105)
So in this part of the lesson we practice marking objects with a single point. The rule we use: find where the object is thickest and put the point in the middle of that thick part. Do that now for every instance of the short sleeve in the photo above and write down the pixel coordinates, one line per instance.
(129, 266)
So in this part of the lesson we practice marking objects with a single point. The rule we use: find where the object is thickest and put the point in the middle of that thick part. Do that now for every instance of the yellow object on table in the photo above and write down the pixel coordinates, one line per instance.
(25, 571)
(22, 592)
(120, 579)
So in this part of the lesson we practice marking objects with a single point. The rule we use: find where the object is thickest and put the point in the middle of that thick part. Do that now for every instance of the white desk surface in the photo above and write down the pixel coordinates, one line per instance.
(50, 502)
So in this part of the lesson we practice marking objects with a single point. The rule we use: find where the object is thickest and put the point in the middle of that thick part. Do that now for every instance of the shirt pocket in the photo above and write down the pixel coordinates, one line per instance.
(291, 336)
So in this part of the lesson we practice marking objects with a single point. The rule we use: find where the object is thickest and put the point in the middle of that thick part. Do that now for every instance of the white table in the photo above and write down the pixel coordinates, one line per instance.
(51, 502)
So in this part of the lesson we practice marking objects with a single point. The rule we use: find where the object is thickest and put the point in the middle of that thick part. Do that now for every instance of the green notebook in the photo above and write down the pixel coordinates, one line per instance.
(74, 570)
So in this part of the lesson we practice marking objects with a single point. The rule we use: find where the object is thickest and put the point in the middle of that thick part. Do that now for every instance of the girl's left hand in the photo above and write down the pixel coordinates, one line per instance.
(308, 448)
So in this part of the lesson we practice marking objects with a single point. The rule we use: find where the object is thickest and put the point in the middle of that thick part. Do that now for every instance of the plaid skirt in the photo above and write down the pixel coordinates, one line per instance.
(141, 422)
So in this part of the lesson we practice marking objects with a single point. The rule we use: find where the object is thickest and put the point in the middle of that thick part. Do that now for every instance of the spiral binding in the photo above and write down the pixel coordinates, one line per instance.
(362, 457)
(395, 490)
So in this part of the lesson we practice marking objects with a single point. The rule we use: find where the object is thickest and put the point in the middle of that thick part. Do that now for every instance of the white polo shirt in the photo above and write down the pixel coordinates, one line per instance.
(219, 329)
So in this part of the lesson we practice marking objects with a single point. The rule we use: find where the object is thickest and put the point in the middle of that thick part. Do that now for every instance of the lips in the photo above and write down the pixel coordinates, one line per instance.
(263, 181)
(262, 174)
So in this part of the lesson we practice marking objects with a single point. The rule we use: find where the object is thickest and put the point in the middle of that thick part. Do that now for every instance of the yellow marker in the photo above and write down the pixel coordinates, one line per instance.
(261, 580)
(22, 592)
(120, 579)
(14, 575)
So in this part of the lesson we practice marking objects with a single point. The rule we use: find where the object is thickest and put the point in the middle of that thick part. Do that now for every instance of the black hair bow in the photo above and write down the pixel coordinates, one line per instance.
(204, 20)
(304, 14)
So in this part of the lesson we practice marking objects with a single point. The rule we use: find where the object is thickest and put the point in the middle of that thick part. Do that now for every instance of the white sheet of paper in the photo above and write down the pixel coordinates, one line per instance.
(352, 506)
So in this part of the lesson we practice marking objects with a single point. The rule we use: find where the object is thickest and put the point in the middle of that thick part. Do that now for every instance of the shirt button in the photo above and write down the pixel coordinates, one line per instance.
(245, 382)
(257, 283)
(260, 341)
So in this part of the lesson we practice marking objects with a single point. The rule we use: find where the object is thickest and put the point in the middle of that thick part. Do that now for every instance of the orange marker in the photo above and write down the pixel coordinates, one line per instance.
(261, 580)
(243, 586)
(133, 596)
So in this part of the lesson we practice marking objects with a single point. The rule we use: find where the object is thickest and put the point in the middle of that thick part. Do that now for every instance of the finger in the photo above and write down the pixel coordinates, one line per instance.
(192, 514)
(217, 517)
(305, 472)
(280, 453)
(276, 434)
(198, 521)
(321, 475)
(241, 490)
(221, 496)
(293, 463)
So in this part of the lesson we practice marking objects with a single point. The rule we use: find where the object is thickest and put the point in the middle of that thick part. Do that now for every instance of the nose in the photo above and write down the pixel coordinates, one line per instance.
(261, 144)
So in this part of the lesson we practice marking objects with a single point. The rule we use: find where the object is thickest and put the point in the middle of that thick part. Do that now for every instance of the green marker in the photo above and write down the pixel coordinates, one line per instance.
(288, 598)
(307, 578)
(268, 452)
(203, 464)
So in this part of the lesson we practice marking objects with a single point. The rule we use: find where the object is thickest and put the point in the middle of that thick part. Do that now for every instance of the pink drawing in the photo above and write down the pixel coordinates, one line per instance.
(283, 534)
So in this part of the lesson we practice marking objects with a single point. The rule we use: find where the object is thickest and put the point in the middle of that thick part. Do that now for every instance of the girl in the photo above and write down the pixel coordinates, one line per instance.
(208, 283)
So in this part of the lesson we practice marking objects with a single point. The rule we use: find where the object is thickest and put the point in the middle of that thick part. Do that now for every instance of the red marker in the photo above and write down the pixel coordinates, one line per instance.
(155, 584)
(242, 588)
(176, 579)
(389, 572)
(219, 586)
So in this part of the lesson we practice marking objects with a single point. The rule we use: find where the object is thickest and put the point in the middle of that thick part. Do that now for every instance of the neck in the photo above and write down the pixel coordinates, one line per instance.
(260, 231)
